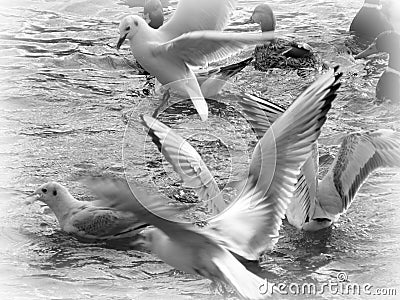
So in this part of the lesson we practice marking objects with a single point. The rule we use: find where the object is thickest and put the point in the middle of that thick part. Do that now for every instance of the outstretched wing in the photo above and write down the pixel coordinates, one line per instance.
(191, 249)
(149, 207)
(187, 162)
(200, 47)
(359, 155)
(193, 15)
(260, 112)
(251, 223)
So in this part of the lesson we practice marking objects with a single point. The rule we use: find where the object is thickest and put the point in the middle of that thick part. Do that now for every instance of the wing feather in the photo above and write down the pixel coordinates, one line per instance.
(148, 206)
(187, 162)
(207, 46)
(260, 112)
(358, 156)
(304, 199)
(193, 15)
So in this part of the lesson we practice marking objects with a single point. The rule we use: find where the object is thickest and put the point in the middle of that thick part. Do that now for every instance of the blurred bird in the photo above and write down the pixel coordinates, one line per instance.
(192, 36)
(388, 87)
(316, 205)
(84, 218)
(280, 53)
(370, 21)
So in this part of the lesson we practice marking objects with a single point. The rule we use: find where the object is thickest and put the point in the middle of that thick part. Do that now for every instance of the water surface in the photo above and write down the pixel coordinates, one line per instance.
(66, 95)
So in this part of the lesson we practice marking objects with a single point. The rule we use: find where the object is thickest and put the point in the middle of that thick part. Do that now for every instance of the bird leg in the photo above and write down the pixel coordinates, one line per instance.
(164, 102)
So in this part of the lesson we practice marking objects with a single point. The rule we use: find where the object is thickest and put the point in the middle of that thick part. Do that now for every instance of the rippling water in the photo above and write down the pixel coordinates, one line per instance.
(66, 94)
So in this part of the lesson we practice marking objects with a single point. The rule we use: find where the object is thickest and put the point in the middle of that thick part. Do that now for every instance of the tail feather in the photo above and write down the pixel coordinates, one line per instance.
(217, 78)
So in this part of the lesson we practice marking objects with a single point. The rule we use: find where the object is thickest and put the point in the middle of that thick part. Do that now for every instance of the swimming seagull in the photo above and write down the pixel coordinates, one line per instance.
(191, 37)
(318, 204)
(250, 224)
(84, 218)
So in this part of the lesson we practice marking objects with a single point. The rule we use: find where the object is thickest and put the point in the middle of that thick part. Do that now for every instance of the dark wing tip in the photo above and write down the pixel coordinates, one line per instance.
(155, 139)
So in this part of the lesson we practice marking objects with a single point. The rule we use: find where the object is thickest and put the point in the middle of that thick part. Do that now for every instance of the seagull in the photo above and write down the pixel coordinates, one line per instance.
(191, 37)
(84, 218)
(318, 204)
(280, 53)
(388, 87)
(250, 224)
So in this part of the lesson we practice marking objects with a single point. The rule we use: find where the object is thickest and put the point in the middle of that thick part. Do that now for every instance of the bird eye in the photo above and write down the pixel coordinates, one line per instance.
(55, 193)
(128, 28)
(136, 23)
(44, 191)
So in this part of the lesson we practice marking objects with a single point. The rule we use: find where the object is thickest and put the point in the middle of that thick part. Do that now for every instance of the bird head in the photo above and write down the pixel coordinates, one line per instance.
(49, 193)
(128, 28)
(264, 16)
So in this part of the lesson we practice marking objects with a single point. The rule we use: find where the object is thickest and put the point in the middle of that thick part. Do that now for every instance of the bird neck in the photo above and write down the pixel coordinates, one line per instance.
(394, 64)
(267, 25)
(146, 33)
(63, 205)
(376, 4)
